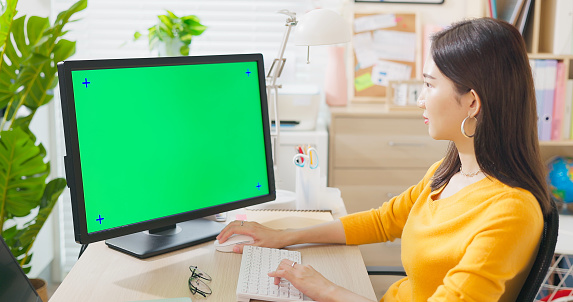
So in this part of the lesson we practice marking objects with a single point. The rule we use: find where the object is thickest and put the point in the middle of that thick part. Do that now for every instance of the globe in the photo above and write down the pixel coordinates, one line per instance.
(560, 178)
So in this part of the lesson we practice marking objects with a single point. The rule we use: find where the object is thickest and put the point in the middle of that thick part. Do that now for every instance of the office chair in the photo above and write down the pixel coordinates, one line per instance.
(538, 270)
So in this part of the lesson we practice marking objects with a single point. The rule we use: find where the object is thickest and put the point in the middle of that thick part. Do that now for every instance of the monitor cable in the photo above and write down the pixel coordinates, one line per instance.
(82, 249)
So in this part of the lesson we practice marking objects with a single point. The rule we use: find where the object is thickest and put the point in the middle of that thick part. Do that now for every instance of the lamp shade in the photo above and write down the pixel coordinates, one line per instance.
(321, 27)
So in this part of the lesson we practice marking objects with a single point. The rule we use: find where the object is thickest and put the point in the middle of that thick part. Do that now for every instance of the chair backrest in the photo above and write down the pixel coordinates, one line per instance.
(543, 259)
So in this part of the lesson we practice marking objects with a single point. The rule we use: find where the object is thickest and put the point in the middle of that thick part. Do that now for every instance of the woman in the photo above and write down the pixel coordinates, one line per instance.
(471, 227)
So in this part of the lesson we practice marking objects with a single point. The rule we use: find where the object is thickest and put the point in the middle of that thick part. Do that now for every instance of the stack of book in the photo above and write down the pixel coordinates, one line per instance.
(515, 12)
(554, 94)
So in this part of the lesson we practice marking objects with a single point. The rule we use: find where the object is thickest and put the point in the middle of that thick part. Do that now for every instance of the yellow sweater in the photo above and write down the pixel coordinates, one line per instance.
(476, 245)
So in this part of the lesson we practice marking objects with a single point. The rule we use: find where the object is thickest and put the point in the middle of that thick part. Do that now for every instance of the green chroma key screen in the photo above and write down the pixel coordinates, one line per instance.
(163, 140)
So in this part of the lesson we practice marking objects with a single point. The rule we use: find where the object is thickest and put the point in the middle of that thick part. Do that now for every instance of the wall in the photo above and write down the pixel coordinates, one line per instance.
(34, 7)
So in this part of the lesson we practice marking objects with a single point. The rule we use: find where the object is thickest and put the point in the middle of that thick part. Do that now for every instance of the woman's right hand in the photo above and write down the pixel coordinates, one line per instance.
(263, 236)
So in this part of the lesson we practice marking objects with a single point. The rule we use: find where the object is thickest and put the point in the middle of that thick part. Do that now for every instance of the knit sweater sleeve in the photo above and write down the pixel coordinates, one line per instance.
(387, 222)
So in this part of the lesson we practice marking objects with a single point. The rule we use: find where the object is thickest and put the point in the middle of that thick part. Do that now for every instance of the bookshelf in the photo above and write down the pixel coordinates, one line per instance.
(540, 36)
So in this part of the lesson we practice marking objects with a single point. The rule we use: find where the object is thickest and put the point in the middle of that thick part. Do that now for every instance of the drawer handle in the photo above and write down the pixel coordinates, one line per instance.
(393, 143)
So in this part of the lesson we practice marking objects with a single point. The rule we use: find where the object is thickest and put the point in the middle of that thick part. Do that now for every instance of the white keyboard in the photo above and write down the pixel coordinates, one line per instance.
(254, 283)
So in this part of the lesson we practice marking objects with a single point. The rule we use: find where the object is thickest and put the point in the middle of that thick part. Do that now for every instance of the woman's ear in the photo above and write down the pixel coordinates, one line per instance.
(474, 102)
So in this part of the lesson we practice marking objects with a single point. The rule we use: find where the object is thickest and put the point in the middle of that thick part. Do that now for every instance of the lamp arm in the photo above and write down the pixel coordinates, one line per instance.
(278, 63)
(273, 89)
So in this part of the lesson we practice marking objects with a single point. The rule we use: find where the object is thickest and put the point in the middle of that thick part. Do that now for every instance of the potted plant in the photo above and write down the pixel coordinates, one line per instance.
(172, 35)
(30, 49)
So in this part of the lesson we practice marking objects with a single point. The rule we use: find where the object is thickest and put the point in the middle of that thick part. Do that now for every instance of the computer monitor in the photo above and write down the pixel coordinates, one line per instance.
(155, 144)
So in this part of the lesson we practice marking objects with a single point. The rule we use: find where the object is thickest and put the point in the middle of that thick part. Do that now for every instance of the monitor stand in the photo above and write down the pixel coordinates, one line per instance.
(155, 242)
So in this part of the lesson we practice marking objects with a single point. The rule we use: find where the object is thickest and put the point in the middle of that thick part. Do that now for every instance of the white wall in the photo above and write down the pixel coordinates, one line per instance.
(34, 7)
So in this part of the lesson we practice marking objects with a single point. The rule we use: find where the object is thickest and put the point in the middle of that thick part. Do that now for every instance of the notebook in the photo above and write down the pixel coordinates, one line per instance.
(14, 284)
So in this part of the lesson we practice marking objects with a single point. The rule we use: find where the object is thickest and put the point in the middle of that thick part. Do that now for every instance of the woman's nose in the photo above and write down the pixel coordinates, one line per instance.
(421, 102)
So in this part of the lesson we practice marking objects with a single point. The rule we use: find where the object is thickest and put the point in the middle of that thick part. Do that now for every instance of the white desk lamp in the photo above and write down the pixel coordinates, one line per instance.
(317, 27)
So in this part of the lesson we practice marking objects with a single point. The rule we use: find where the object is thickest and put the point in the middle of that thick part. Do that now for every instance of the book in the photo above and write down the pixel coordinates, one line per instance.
(284, 219)
(536, 67)
(558, 102)
(524, 16)
(509, 10)
(488, 9)
(549, 72)
(566, 125)
(563, 27)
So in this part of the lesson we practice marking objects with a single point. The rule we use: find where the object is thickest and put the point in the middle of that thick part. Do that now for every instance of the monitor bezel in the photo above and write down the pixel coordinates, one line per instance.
(72, 160)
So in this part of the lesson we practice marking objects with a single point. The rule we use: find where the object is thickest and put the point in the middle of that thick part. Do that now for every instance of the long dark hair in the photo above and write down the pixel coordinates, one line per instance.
(489, 56)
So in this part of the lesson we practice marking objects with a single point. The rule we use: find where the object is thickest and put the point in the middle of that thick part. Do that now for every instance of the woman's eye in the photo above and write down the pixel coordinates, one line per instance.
(427, 84)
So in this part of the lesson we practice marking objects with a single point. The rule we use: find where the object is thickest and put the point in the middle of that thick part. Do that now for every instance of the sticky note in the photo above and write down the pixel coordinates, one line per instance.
(362, 82)
(385, 71)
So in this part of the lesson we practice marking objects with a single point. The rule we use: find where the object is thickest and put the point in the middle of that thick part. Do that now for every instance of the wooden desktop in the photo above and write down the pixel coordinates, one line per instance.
(103, 274)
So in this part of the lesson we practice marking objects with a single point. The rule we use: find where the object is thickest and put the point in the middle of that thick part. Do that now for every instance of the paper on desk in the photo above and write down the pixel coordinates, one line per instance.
(374, 22)
(385, 71)
(364, 49)
(183, 299)
(395, 45)
(284, 219)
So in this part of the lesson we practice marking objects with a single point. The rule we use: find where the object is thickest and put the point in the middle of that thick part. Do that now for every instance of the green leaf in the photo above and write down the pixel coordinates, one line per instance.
(23, 172)
(191, 20)
(186, 39)
(197, 30)
(172, 15)
(51, 194)
(184, 50)
(31, 56)
(63, 50)
(9, 234)
(6, 20)
(166, 21)
(24, 124)
(164, 31)
(35, 30)
(26, 267)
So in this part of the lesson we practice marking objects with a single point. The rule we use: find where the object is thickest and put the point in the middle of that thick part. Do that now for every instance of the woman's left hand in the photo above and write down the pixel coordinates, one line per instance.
(306, 279)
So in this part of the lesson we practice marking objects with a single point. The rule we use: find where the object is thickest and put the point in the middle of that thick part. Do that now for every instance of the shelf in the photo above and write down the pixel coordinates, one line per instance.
(565, 143)
(545, 55)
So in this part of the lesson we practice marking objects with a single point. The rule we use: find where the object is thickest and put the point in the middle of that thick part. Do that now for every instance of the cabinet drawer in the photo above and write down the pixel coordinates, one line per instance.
(384, 143)
(366, 189)
(363, 198)
(377, 177)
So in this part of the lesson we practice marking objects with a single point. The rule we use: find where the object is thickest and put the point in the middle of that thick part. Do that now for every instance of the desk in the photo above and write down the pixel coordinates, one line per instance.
(103, 274)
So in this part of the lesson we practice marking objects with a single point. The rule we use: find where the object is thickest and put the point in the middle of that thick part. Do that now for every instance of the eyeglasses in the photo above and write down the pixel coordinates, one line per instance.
(197, 282)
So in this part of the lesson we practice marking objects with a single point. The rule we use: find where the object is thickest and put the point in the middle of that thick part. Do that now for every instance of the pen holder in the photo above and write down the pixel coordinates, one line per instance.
(308, 188)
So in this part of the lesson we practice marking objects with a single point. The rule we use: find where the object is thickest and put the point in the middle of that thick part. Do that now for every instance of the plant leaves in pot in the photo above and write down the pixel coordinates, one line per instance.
(172, 35)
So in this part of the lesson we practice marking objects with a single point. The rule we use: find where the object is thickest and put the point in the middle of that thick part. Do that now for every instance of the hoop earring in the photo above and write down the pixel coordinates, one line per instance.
(464, 131)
